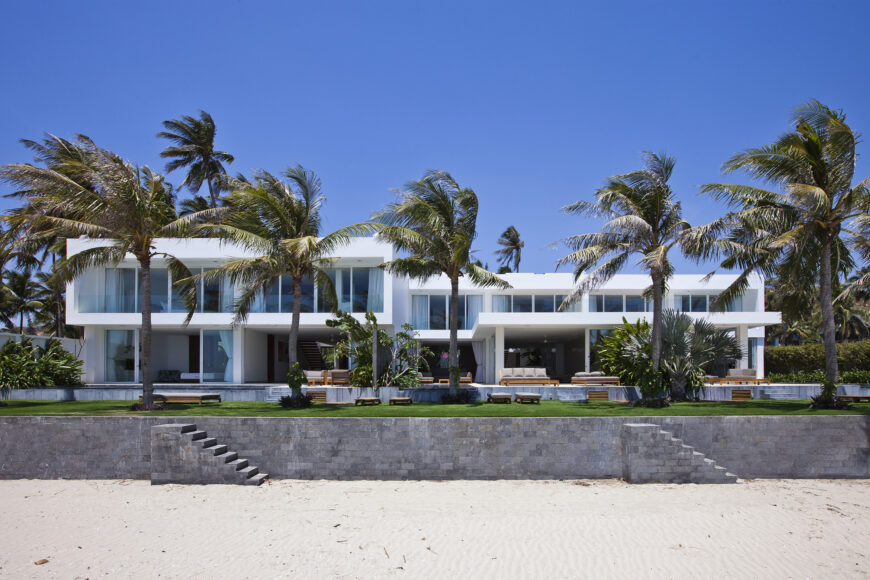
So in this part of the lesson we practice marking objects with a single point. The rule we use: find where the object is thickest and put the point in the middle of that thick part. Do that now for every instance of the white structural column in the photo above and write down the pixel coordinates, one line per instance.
(743, 340)
(586, 333)
(499, 353)
(238, 354)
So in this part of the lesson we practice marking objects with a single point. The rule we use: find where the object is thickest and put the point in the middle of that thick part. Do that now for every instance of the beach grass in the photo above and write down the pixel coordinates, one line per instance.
(544, 409)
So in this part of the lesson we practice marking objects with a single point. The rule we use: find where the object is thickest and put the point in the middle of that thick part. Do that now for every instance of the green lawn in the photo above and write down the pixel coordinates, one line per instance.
(545, 409)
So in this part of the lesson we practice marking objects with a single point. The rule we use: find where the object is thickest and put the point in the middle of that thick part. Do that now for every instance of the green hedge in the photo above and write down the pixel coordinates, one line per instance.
(819, 376)
(809, 358)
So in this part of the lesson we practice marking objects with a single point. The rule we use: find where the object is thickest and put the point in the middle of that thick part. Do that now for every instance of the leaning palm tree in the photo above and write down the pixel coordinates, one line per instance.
(643, 219)
(279, 222)
(20, 296)
(798, 232)
(511, 248)
(434, 223)
(193, 148)
(78, 188)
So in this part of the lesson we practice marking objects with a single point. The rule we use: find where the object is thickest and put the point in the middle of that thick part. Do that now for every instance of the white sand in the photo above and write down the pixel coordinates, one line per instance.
(505, 529)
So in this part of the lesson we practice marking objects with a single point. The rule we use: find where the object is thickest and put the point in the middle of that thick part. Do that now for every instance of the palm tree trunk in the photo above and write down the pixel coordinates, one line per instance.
(453, 352)
(657, 286)
(207, 161)
(145, 337)
(21, 325)
(293, 339)
(829, 332)
(58, 307)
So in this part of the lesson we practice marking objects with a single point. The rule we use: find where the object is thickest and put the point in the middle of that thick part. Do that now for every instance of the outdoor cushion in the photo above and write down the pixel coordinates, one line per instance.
(745, 373)
(541, 373)
(585, 375)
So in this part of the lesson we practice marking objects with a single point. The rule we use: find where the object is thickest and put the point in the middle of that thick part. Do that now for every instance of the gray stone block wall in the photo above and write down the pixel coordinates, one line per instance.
(651, 455)
(436, 448)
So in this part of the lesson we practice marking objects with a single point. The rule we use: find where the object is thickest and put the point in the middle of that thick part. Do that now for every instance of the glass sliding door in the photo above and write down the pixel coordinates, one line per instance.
(217, 356)
(420, 311)
(438, 312)
(120, 354)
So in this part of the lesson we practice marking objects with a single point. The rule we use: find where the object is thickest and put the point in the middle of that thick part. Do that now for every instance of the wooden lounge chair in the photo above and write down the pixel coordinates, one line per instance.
(527, 398)
(526, 376)
(854, 398)
(315, 377)
(367, 401)
(426, 378)
(741, 395)
(499, 398)
(338, 377)
(597, 396)
(185, 397)
(593, 378)
(463, 379)
(401, 401)
(316, 396)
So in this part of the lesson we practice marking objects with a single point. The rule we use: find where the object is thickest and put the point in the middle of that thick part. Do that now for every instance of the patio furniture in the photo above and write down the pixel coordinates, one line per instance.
(593, 378)
(499, 398)
(463, 379)
(597, 396)
(854, 398)
(426, 378)
(400, 400)
(185, 397)
(741, 395)
(315, 377)
(362, 401)
(526, 376)
(338, 377)
(739, 377)
(316, 396)
(527, 398)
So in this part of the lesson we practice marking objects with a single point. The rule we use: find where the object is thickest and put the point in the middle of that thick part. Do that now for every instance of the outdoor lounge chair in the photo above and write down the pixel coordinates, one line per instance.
(426, 378)
(315, 377)
(338, 377)
(742, 377)
(526, 376)
(499, 398)
(463, 379)
(593, 378)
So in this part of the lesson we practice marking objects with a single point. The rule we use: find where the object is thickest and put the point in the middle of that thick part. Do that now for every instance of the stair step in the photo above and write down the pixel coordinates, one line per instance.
(207, 442)
(196, 435)
(218, 449)
(249, 471)
(257, 479)
(238, 464)
(187, 428)
(229, 456)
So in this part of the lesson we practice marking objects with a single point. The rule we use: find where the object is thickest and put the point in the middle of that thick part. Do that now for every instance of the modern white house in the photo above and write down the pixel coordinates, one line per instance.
(519, 326)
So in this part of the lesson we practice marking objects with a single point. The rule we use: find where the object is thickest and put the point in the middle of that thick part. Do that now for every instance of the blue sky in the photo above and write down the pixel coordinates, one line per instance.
(531, 104)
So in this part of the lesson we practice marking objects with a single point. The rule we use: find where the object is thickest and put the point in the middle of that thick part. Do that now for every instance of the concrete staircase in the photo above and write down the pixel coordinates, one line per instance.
(180, 453)
(651, 455)
(313, 358)
(274, 394)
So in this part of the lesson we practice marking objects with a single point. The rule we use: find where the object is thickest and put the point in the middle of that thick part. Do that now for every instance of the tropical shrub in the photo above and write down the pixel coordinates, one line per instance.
(626, 353)
(25, 366)
(400, 356)
(296, 400)
(808, 358)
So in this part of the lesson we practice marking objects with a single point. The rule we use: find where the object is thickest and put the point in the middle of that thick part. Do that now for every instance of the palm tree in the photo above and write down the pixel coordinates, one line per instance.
(82, 189)
(512, 248)
(193, 148)
(279, 222)
(434, 223)
(643, 219)
(797, 233)
(691, 348)
(20, 298)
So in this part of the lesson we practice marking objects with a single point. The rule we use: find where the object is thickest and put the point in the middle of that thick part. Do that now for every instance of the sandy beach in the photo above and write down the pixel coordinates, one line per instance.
(479, 529)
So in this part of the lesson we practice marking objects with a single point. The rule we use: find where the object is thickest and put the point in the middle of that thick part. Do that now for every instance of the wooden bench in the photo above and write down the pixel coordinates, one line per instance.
(597, 396)
(367, 401)
(499, 398)
(741, 395)
(530, 381)
(736, 381)
(527, 398)
(595, 381)
(400, 400)
(316, 396)
(854, 398)
(185, 397)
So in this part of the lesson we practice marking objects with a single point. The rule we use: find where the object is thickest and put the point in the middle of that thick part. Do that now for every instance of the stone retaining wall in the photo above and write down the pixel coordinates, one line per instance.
(437, 448)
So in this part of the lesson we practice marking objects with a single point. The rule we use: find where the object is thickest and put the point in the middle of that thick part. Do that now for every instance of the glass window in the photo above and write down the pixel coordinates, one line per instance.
(217, 356)
(159, 290)
(735, 305)
(473, 306)
(211, 295)
(595, 337)
(613, 303)
(544, 303)
(460, 306)
(360, 289)
(501, 303)
(375, 292)
(420, 311)
(522, 303)
(438, 312)
(120, 289)
(177, 303)
(699, 304)
(634, 303)
(596, 303)
(287, 294)
(120, 356)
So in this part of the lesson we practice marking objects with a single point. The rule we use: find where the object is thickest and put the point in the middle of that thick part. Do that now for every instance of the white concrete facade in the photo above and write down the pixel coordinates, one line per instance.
(499, 325)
